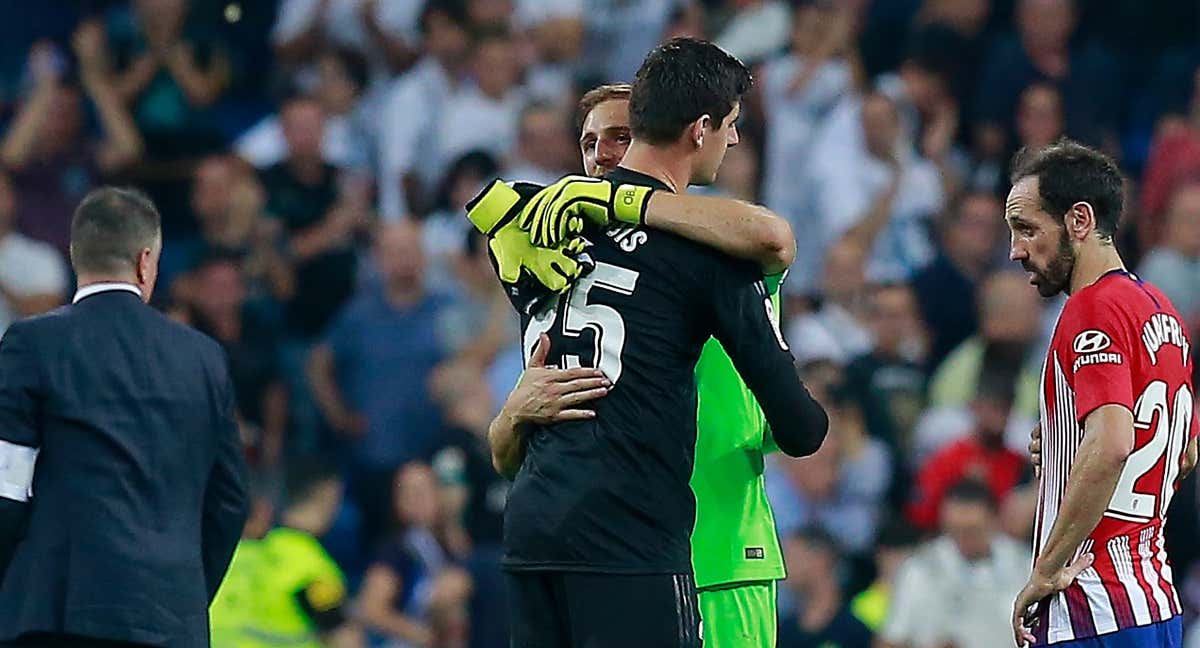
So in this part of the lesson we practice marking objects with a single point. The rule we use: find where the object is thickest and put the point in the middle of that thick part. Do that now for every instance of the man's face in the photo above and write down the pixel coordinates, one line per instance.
(445, 40)
(303, 124)
(399, 255)
(974, 233)
(1183, 220)
(894, 317)
(969, 524)
(1039, 116)
(808, 564)
(220, 287)
(605, 137)
(210, 188)
(545, 140)
(496, 67)
(1039, 240)
(712, 149)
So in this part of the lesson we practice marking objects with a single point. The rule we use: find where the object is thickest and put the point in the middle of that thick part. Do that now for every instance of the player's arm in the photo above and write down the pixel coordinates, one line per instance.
(1189, 460)
(1107, 442)
(543, 395)
(735, 227)
(20, 437)
(745, 323)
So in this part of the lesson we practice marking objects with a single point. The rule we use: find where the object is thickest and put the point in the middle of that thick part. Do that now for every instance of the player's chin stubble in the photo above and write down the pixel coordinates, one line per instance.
(1056, 277)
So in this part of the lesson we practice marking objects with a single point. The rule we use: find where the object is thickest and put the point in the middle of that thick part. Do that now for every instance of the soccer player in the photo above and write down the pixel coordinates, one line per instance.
(1117, 431)
(600, 512)
(735, 550)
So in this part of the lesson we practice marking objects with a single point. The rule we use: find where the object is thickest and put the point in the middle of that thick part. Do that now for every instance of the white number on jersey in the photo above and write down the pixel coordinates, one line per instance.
(1167, 444)
(606, 323)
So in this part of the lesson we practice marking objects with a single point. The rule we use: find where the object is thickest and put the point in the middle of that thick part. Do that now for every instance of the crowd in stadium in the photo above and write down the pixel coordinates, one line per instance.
(312, 160)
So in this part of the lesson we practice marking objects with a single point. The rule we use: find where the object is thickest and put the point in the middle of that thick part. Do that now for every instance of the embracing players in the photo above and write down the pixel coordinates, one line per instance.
(683, 107)
(1117, 430)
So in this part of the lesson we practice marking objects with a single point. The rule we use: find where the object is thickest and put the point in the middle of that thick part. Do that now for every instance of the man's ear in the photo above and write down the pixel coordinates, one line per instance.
(697, 128)
(1080, 220)
(144, 261)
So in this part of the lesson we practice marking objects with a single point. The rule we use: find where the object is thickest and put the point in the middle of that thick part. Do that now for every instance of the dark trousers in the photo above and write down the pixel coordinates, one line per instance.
(58, 640)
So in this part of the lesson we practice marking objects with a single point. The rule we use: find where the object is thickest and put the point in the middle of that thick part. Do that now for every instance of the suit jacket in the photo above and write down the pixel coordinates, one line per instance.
(138, 494)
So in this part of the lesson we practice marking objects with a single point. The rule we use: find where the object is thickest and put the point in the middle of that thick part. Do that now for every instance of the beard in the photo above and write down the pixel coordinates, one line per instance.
(1056, 277)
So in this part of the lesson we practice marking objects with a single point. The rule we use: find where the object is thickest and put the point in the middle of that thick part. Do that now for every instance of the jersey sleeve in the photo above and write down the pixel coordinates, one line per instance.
(746, 324)
(1095, 353)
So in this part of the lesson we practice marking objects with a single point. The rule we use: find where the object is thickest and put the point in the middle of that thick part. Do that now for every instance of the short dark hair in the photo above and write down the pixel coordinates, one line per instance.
(1069, 172)
(971, 491)
(303, 476)
(110, 228)
(678, 82)
(597, 96)
(454, 10)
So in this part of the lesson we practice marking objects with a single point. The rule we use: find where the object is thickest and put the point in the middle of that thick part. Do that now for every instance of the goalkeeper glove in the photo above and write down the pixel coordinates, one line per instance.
(494, 213)
(560, 209)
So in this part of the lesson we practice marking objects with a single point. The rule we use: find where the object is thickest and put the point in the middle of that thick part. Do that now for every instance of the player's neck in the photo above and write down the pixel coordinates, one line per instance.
(659, 162)
(1089, 267)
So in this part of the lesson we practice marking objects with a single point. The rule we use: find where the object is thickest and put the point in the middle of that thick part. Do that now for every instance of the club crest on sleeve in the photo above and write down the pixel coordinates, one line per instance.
(1091, 341)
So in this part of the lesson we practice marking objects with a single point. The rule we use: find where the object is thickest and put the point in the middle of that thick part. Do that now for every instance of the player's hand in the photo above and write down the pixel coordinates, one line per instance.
(1039, 587)
(494, 212)
(547, 395)
(560, 209)
(1035, 450)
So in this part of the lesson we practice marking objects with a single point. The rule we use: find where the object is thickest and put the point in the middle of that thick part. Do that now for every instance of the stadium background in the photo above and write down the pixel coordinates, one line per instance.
(292, 145)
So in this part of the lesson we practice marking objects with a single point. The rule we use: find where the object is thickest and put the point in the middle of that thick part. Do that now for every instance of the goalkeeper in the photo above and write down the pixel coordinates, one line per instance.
(735, 551)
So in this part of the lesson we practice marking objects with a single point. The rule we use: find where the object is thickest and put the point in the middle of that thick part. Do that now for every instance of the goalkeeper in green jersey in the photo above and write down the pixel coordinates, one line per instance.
(735, 551)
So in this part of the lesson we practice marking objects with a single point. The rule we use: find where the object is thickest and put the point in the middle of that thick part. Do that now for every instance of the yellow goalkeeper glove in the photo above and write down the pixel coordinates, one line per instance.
(559, 210)
(494, 212)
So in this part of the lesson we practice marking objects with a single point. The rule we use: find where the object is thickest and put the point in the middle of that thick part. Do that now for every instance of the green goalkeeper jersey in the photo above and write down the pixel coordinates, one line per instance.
(734, 539)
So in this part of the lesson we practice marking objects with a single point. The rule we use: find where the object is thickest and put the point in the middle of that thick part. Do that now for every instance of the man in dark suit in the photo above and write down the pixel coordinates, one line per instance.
(122, 486)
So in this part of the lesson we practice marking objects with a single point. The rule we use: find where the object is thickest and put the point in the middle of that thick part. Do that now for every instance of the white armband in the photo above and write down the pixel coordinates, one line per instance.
(16, 471)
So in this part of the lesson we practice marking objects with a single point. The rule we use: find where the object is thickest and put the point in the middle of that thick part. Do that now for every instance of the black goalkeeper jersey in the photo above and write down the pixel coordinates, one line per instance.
(612, 494)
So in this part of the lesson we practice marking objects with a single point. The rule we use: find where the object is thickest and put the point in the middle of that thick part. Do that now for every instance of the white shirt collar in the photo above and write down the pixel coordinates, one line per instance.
(92, 289)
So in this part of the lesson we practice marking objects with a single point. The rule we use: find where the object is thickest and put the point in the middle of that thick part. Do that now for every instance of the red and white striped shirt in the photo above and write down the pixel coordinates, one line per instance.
(1118, 341)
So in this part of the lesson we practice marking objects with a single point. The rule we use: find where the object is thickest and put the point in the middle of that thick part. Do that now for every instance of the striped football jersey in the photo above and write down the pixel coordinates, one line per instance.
(1118, 341)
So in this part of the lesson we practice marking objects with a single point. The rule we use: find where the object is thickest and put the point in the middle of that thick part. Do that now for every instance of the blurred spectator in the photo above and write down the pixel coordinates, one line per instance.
(170, 70)
(544, 151)
(837, 329)
(981, 456)
(227, 202)
(52, 160)
(319, 216)
(217, 307)
(341, 81)
(1042, 50)
(738, 178)
(370, 375)
(473, 498)
(946, 288)
(483, 115)
(968, 20)
(285, 585)
(1018, 513)
(896, 542)
(1174, 160)
(958, 589)
(555, 29)
(446, 226)
(33, 276)
(383, 32)
(840, 489)
(1039, 123)
(889, 381)
(1009, 312)
(821, 615)
(757, 29)
(412, 595)
(799, 89)
(621, 32)
(884, 201)
(411, 111)
(1174, 265)
(481, 320)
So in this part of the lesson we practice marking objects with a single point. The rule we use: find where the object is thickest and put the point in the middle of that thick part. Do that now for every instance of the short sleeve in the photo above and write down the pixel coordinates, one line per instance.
(1094, 354)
